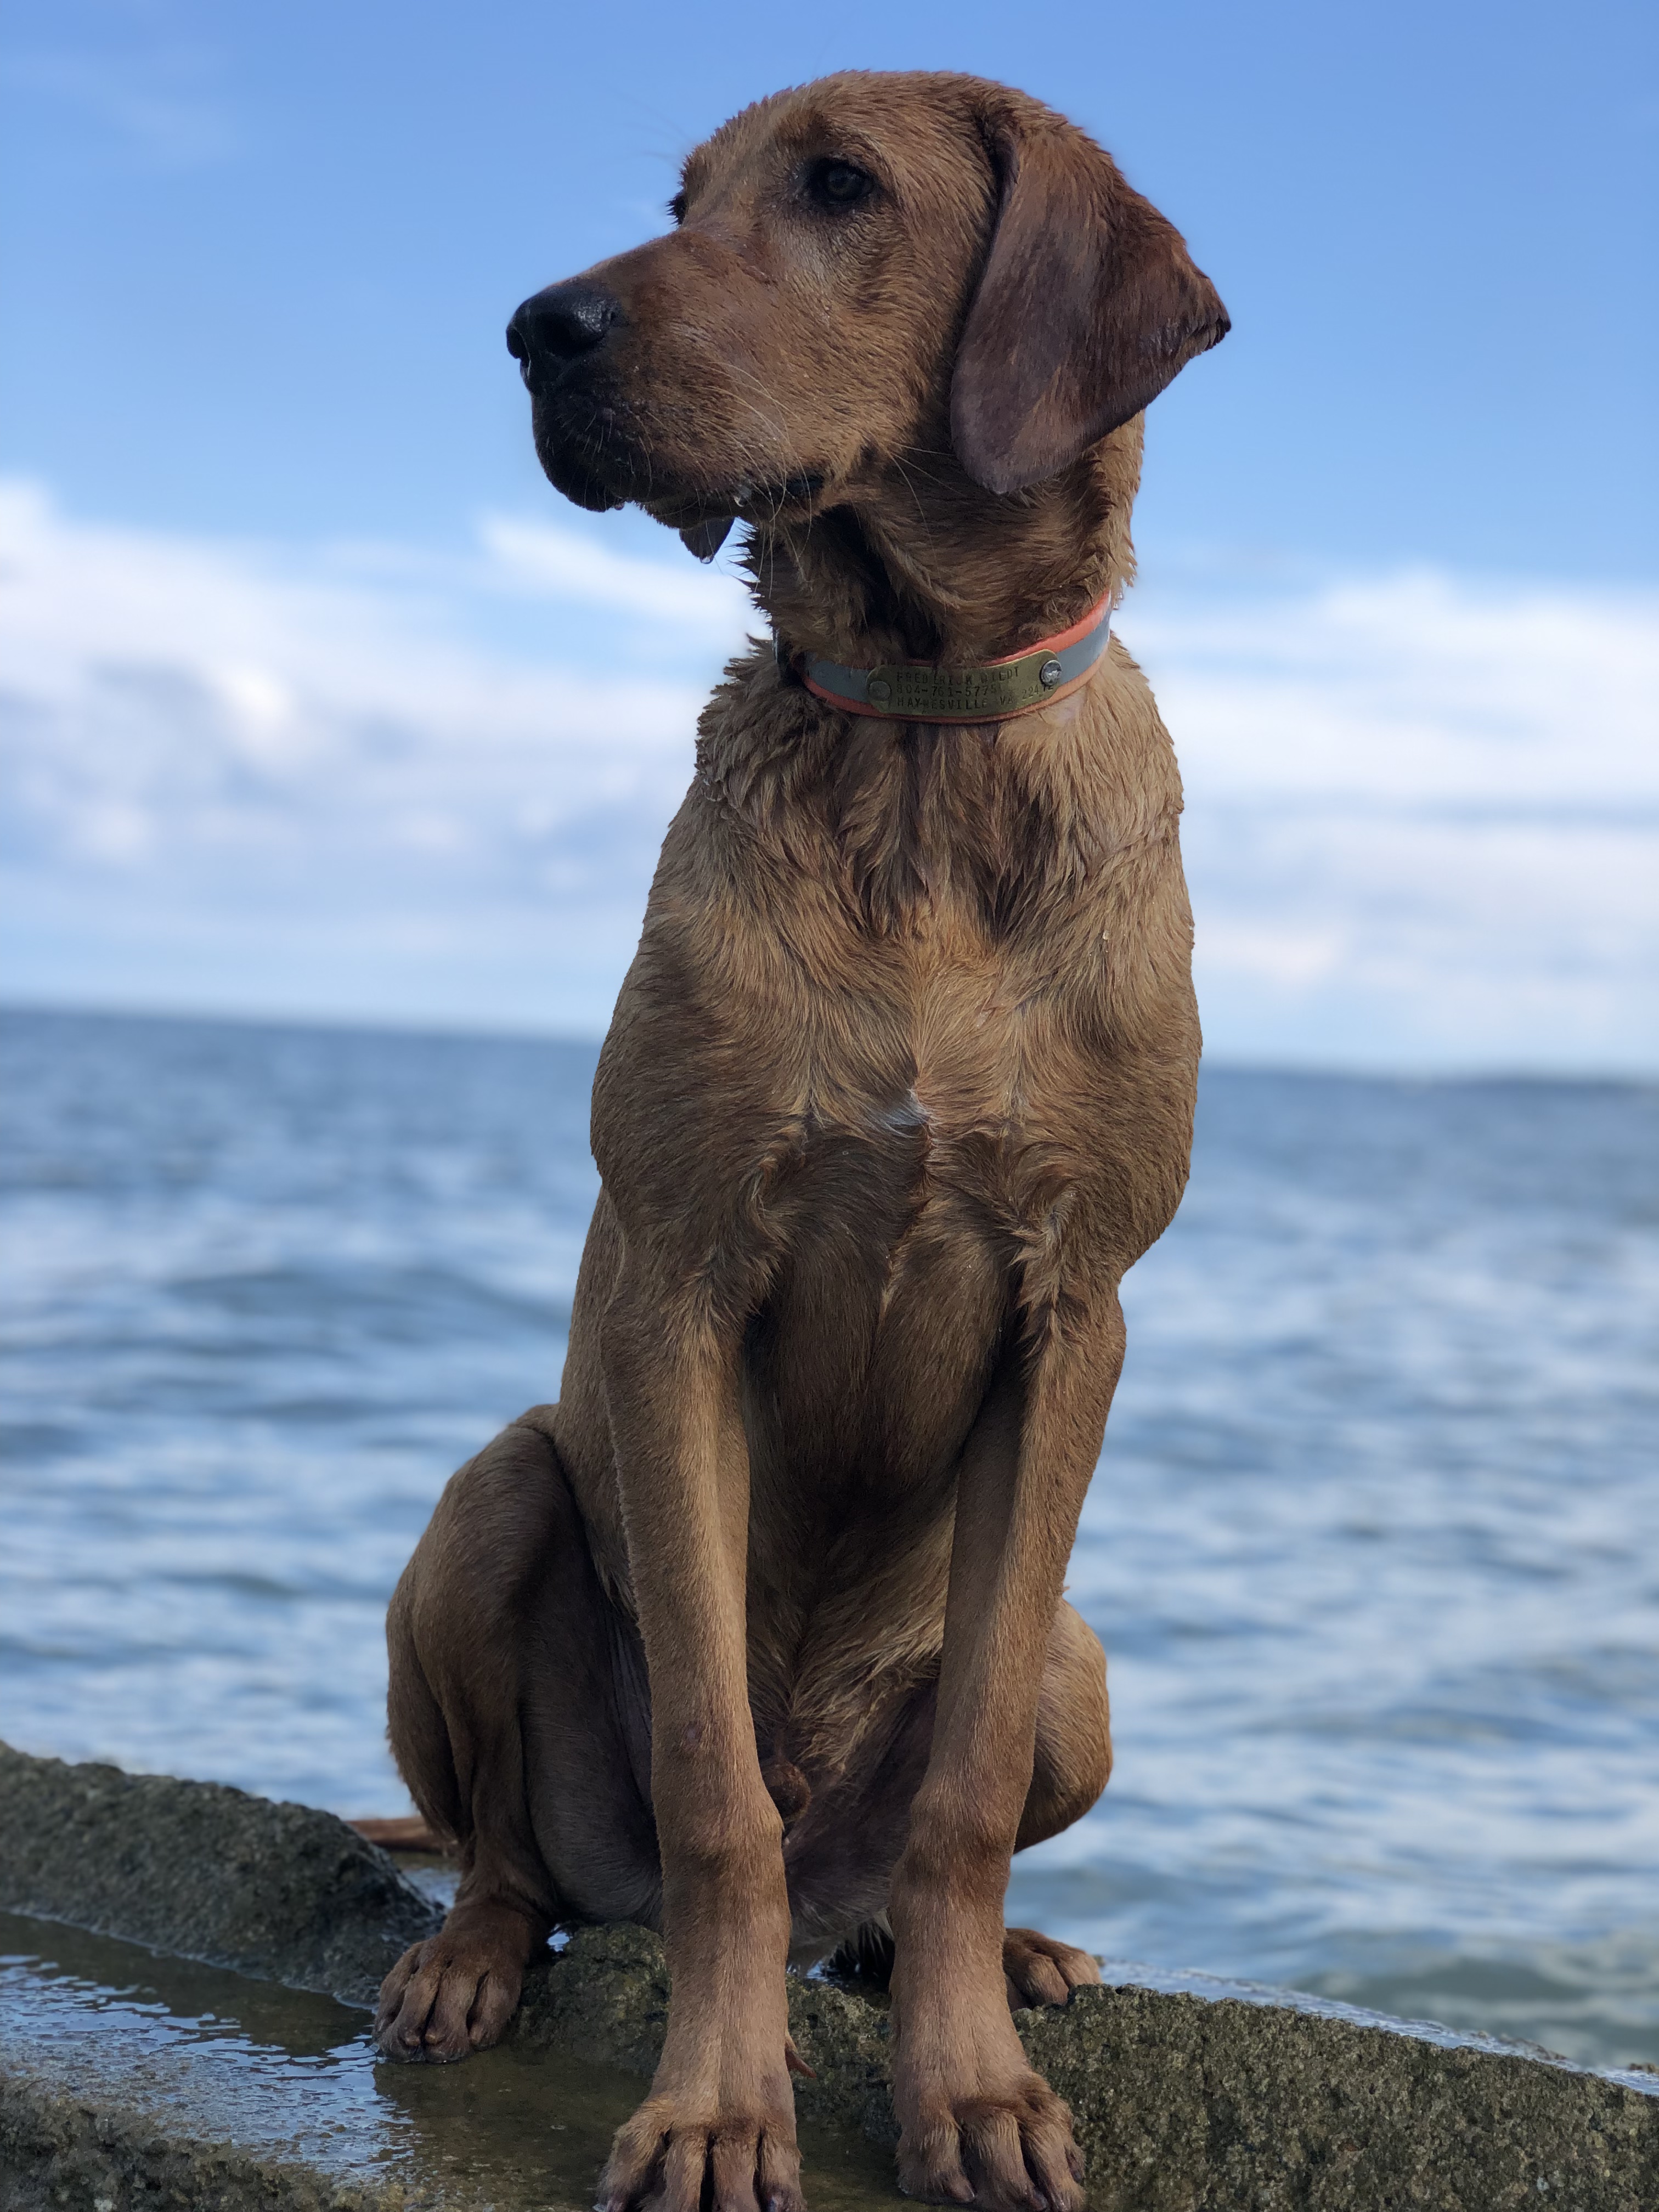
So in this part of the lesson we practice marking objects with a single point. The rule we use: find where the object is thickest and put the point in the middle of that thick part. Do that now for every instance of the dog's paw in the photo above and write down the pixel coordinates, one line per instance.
(451, 1995)
(1011, 2151)
(1041, 1971)
(726, 2162)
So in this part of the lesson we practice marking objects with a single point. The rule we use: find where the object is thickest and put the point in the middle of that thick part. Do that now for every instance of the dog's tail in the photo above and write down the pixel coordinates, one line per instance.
(410, 1832)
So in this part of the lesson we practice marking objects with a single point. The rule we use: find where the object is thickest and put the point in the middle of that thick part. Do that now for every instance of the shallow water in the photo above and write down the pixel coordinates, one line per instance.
(1374, 1547)
(294, 2078)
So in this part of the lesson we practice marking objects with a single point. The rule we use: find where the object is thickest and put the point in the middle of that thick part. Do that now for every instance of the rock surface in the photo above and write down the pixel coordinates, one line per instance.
(60, 2154)
(1182, 2100)
(277, 1891)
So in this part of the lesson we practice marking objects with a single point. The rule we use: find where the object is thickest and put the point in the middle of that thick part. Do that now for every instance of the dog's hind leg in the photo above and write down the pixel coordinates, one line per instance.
(1071, 1766)
(510, 1720)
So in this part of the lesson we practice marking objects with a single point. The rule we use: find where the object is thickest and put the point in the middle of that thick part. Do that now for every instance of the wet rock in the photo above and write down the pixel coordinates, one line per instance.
(606, 1996)
(843, 2036)
(131, 2080)
(59, 2153)
(1182, 2099)
(278, 1891)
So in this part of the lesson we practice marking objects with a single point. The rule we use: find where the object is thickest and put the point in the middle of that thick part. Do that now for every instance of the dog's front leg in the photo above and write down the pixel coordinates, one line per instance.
(721, 2111)
(977, 2124)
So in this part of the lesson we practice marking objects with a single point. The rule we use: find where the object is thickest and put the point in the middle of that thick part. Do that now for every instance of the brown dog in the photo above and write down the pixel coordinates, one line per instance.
(757, 1635)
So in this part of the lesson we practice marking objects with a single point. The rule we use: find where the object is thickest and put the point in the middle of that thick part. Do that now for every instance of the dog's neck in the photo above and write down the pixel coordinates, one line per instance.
(921, 564)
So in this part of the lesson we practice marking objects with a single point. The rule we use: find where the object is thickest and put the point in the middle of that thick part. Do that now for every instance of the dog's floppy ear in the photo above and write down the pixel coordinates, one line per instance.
(1089, 304)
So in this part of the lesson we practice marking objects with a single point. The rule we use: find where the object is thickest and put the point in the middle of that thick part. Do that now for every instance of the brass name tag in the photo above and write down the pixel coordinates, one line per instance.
(943, 692)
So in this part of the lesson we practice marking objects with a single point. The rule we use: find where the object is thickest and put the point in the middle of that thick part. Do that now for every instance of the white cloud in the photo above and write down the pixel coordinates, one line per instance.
(1423, 821)
(237, 777)
(1415, 689)
(530, 556)
(1422, 818)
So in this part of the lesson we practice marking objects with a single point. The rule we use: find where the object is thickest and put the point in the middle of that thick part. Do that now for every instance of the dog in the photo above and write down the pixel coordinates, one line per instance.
(758, 1635)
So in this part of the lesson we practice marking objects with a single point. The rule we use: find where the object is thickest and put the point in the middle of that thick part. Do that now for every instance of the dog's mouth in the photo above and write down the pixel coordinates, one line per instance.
(593, 450)
(579, 448)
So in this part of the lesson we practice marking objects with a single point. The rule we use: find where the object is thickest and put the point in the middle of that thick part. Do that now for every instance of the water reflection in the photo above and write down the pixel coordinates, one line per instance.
(290, 2076)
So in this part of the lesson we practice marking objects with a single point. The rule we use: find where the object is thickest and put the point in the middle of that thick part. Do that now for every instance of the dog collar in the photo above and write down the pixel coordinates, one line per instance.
(995, 691)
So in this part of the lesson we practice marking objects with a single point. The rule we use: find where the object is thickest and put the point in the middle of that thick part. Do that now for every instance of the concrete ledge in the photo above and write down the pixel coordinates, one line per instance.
(1206, 2097)
(277, 1891)
(1184, 2099)
(59, 2153)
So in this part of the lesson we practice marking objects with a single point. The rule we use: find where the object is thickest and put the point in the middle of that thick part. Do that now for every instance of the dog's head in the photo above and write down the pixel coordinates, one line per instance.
(870, 267)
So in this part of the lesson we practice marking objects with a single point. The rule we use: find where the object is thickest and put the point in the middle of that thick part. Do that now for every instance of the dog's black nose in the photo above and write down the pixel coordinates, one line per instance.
(554, 327)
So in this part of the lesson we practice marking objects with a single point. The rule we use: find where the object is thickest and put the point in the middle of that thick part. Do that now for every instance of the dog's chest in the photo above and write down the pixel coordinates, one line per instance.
(893, 1200)
(874, 1041)
(921, 1088)
(884, 1152)
(939, 1082)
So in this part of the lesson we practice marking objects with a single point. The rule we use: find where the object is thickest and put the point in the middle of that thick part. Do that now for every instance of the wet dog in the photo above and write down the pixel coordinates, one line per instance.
(758, 1635)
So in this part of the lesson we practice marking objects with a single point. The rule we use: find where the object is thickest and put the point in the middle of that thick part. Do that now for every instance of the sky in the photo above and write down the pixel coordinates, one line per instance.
(319, 702)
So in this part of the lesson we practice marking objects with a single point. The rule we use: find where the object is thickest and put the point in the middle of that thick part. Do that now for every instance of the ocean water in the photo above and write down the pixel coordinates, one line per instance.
(1374, 1545)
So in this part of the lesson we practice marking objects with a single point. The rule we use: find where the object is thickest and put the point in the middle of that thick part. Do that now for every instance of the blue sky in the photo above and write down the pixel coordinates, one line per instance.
(267, 455)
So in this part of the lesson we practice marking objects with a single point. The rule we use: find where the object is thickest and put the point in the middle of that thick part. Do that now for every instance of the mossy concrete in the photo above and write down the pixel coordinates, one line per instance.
(1182, 2100)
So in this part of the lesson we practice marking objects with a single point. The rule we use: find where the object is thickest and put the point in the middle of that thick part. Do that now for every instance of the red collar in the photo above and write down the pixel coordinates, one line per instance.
(1021, 683)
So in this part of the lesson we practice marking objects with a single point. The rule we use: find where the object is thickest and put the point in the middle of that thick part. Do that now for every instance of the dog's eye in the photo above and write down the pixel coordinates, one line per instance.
(838, 184)
(677, 207)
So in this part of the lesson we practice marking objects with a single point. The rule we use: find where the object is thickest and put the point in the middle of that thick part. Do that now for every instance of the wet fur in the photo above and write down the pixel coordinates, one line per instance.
(757, 1635)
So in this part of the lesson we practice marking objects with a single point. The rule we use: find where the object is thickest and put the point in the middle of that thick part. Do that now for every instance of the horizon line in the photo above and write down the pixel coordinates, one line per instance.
(438, 1029)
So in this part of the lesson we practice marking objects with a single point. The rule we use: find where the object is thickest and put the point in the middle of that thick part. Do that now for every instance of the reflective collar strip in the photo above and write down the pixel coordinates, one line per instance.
(995, 691)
